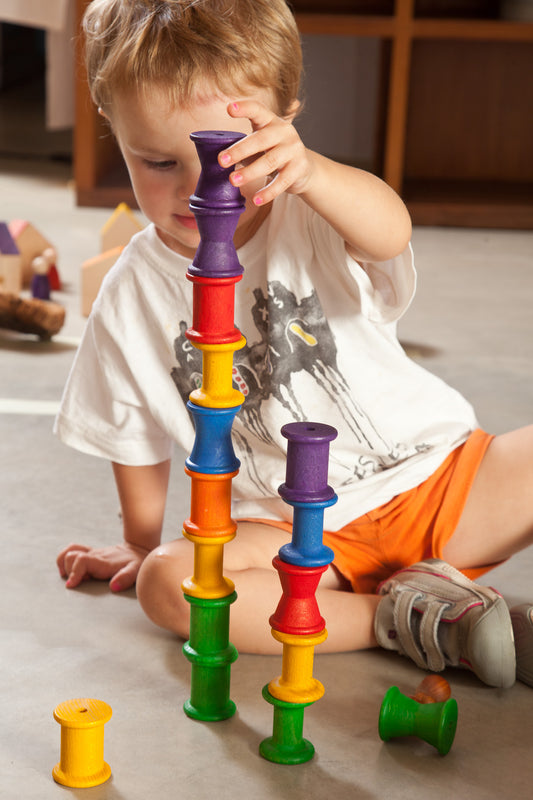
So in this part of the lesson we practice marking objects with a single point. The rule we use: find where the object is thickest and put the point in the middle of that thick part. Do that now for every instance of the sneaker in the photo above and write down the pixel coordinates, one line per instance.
(522, 619)
(434, 614)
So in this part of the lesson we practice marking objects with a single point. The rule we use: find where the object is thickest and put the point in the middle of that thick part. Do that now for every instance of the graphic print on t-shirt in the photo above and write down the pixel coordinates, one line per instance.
(294, 337)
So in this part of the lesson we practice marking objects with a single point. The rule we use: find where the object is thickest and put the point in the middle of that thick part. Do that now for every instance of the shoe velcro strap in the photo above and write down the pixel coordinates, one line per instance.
(430, 657)
(429, 635)
(403, 608)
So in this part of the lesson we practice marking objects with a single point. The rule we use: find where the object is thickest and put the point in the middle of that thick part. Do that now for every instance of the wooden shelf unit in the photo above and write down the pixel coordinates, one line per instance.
(455, 138)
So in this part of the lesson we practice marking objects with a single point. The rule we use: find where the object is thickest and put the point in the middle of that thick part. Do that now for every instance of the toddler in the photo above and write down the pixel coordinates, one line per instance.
(427, 501)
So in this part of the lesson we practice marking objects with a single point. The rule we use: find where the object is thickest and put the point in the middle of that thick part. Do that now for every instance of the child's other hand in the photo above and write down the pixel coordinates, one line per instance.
(119, 564)
(272, 153)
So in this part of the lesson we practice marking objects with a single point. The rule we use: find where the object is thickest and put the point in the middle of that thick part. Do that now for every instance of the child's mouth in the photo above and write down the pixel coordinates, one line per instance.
(187, 222)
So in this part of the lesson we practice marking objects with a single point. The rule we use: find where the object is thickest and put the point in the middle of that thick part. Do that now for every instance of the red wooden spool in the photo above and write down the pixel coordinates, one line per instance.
(297, 612)
(213, 310)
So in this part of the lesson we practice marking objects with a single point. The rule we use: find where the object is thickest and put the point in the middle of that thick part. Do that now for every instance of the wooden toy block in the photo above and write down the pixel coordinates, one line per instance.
(10, 273)
(93, 272)
(10, 262)
(119, 228)
(30, 242)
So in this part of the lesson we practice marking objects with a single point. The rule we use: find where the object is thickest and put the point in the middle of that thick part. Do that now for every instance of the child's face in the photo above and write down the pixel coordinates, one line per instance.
(164, 166)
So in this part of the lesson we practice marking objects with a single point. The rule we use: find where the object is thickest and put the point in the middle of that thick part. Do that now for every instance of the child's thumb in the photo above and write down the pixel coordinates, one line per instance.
(124, 578)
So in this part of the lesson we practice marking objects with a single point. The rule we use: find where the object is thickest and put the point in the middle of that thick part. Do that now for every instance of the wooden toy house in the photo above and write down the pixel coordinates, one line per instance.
(114, 236)
(93, 272)
(10, 262)
(119, 228)
(30, 243)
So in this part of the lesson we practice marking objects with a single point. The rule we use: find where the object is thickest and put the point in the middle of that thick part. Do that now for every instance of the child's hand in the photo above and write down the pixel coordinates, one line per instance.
(119, 564)
(273, 153)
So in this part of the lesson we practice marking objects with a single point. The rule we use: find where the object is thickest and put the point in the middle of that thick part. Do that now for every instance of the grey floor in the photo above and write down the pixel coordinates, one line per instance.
(472, 324)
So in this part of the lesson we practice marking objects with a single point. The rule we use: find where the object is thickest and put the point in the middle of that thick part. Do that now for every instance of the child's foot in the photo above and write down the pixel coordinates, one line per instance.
(434, 614)
(522, 619)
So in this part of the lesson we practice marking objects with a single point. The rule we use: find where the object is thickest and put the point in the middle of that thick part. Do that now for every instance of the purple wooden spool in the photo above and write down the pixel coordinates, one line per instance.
(217, 205)
(306, 478)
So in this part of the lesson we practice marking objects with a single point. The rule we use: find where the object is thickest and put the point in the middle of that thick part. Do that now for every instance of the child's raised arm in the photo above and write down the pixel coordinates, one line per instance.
(365, 211)
(142, 492)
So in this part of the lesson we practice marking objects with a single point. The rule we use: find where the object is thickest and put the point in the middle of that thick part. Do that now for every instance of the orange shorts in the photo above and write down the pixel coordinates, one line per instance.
(413, 526)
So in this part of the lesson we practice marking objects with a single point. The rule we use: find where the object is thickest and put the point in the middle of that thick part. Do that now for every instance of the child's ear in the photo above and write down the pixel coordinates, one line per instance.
(107, 118)
(292, 111)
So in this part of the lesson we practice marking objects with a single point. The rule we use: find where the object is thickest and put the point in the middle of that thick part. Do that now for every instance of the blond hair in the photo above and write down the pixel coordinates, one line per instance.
(176, 45)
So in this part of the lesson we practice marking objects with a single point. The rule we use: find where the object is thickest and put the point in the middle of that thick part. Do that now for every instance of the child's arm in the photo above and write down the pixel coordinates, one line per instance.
(142, 492)
(368, 214)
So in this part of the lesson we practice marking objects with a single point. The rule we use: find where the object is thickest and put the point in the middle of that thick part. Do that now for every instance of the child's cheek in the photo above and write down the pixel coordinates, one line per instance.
(148, 196)
(151, 188)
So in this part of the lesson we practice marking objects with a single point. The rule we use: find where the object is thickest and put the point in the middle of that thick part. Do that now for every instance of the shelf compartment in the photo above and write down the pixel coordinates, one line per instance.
(470, 204)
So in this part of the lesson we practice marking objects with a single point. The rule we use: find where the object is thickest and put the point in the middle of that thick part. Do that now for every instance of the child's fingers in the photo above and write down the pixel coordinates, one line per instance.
(285, 180)
(266, 164)
(258, 114)
(77, 571)
(85, 565)
(60, 562)
(82, 563)
(285, 169)
(279, 134)
(267, 131)
(67, 556)
(272, 153)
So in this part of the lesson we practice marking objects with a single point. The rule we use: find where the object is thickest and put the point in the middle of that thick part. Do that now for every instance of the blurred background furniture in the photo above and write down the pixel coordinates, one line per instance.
(453, 117)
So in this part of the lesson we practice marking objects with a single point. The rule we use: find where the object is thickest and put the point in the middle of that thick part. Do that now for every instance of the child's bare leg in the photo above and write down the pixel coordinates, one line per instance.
(497, 520)
(248, 562)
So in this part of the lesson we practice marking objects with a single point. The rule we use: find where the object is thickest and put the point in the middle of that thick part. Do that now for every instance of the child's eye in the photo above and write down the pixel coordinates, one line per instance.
(160, 165)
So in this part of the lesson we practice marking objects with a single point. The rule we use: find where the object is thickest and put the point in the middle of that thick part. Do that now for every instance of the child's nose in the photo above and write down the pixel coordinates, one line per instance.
(188, 183)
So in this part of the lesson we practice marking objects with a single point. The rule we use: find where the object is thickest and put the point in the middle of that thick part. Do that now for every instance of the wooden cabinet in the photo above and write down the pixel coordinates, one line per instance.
(456, 130)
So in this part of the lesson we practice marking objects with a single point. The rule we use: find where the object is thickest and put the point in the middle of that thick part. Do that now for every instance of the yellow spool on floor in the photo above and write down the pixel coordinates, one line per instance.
(82, 743)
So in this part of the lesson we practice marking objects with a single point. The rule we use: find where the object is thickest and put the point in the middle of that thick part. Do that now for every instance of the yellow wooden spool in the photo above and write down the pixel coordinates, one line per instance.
(82, 743)
(208, 582)
(296, 683)
(217, 390)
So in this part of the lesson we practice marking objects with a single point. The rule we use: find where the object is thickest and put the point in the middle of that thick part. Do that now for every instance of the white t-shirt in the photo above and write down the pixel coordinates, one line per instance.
(321, 346)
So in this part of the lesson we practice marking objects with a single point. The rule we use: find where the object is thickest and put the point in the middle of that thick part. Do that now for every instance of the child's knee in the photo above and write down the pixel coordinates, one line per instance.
(159, 586)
